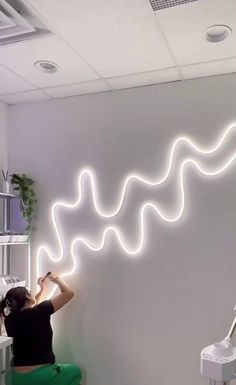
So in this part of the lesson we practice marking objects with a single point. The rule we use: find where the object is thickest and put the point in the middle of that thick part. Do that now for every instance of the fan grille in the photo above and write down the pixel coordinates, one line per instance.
(18, 22)
(162, 4)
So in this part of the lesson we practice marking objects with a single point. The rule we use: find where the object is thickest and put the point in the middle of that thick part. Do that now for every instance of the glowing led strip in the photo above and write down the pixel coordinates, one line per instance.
(115, 230)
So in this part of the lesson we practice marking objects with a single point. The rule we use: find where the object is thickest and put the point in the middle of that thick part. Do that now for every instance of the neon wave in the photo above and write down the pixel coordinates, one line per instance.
(148, 205)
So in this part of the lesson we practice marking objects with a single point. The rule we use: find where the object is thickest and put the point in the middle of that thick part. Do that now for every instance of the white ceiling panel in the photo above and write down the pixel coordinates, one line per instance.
(115, 37)
(209, 69)
(9, 82)
(147, 78)
(115, 44)
(20, 57)
(24, 97)
(78, 89)
(184, 27)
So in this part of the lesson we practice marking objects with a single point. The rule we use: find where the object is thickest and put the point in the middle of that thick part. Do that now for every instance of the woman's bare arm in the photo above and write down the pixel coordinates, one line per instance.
(66, 292)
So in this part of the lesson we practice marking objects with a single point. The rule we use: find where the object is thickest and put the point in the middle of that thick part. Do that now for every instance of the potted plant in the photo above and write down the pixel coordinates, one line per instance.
(22, 184)
(6, 182)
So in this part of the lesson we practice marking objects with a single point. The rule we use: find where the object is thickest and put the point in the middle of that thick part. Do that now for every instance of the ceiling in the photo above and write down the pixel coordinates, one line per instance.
(105, 45)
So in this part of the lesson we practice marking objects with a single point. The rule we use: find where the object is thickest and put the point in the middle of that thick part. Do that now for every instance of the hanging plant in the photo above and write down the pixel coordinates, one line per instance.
(23, 185)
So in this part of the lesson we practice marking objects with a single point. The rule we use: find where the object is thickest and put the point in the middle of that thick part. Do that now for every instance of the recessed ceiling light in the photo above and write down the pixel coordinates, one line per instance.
(46, 66)
(217, 33)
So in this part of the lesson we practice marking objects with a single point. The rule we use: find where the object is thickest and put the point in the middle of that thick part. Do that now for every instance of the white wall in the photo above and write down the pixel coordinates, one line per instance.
(3, 154)
(139, 320)
(3, 140)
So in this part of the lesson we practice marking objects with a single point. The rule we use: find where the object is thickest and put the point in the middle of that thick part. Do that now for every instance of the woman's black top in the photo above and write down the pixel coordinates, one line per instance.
(32, 335)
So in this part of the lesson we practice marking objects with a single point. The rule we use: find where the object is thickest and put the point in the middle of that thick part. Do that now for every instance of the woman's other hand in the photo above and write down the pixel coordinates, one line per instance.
(54, 277)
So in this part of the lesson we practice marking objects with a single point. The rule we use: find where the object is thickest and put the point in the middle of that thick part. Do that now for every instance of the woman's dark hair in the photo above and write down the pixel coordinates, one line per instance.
(14, 300)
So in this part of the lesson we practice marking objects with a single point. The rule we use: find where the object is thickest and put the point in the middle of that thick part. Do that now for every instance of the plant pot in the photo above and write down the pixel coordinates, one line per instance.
(6, 187)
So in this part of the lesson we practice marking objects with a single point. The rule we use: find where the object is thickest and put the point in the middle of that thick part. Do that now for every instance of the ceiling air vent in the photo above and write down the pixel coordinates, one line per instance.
(18, 22)
(157, 5)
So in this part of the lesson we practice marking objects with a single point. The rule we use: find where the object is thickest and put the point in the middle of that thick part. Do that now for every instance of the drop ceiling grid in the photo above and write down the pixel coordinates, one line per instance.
(115, 37)
(133, 23)
(78, 89)
(10, 82)
(25, 97)
(140, 19)
(185, 26)
(20, 58)
(62, 38)
(141, 12)
(212, 68)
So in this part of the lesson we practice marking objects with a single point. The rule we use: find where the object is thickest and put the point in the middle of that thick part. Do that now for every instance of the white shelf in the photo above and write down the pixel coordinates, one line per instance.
(5, 341)
(7, 240)
(14, 239)
(13, 243)
(5, 288)
(7, 195)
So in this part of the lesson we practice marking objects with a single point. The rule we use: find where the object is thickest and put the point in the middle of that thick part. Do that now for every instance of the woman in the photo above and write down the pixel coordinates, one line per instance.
(28, 322)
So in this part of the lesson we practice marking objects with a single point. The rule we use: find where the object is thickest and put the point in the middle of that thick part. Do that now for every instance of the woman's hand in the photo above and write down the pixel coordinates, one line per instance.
(42, 281)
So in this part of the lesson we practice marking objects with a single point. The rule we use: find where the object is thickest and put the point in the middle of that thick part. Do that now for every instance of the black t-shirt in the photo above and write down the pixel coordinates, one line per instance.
(32, 335)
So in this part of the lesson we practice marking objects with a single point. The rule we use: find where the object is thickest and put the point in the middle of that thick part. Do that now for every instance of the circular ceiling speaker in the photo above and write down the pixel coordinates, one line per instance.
(46, 66)
(217, 33)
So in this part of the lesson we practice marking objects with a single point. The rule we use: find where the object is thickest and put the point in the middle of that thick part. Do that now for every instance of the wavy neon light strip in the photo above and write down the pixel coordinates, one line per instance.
(114, 212)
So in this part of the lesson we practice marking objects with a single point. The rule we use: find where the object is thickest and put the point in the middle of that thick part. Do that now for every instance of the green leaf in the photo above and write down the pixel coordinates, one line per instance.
(23, 185)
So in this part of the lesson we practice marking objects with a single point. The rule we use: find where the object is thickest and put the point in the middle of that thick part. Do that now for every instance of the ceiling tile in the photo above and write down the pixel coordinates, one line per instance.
(115, 37)
(78, 89)
(20, 57)
(9, 82)
(185, 25)
(24, 97)
(209, 69)
(147, 78)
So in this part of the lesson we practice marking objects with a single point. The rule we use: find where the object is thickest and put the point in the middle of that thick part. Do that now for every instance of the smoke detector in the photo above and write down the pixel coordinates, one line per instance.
(157, 5)
(18, 22)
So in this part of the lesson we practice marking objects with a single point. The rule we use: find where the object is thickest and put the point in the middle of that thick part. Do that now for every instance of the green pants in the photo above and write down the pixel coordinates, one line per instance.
(57, 374)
